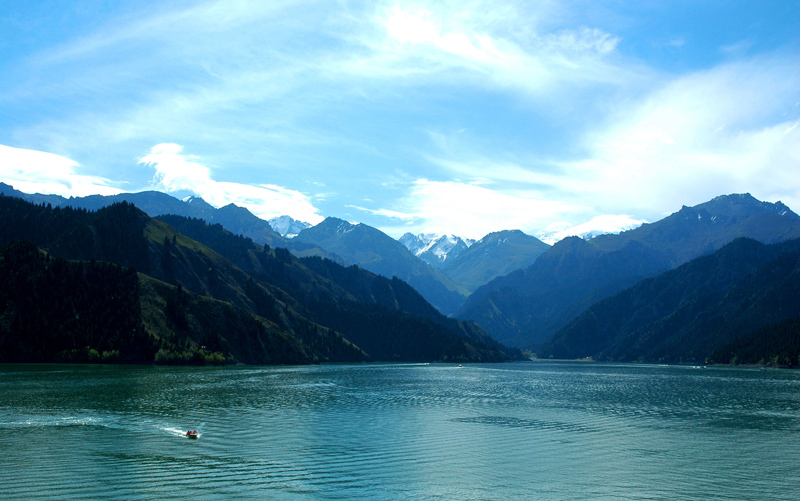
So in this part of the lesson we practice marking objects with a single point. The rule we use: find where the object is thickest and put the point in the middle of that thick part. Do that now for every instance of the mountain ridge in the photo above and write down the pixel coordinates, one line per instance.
(375, 251)
(201, 276)
(526, 307)
(688, 313)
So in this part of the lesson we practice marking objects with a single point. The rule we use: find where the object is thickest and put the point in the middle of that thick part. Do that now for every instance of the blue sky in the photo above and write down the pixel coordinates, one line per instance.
(460, 117)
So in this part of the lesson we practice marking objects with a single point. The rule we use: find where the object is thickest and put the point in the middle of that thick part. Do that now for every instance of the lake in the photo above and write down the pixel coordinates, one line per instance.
(507, 431)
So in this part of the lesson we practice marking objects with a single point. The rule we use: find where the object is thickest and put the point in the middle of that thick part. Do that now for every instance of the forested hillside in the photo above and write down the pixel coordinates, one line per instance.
(198, 302)
(55, 310)
(366, 308)
(776, 344)
(691, 312)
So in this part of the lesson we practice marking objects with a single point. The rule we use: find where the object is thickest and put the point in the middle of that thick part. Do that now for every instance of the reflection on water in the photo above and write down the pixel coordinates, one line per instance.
(511, 431)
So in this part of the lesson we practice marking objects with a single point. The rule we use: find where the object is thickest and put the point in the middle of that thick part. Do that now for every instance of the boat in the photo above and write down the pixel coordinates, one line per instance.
(192, 434)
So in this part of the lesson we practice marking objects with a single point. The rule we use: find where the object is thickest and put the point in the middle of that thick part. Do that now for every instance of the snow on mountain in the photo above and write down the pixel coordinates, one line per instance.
(417, 243)
(287, 226)
(600, 225)
(435, 248)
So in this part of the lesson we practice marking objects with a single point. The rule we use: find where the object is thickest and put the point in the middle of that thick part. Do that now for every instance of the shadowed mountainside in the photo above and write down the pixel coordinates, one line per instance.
(495, 255)
(528, 306)
(209, 282)
(379, 253)
(686, 314)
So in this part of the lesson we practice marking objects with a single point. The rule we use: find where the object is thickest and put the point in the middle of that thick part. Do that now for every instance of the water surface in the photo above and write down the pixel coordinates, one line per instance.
(506, 431)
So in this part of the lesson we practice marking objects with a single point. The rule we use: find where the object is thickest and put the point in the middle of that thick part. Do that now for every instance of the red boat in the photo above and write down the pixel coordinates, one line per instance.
(192, 434)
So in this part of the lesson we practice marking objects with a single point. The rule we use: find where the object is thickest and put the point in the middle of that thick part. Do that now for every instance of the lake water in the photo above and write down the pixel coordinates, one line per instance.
(509, 431)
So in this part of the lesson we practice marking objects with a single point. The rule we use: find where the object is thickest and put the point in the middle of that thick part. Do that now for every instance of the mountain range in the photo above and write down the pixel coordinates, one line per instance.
(526, 307)
(378, 253)
(495, 255)
(688, 313)
(214, 297)
(524, 292)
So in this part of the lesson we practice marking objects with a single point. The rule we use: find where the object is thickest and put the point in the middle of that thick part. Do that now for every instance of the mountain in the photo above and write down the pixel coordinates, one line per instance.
(435, 249)
(151, 202)
(239, 220)
(526, 307)
(494, 255)
(200, 207)
(377, 252)
(123, 235)
(55, 310)
(9, 191)
(354, 301)
(155, 203)
(417, 243)
(287, 227)
(686, 314)
(194, 303)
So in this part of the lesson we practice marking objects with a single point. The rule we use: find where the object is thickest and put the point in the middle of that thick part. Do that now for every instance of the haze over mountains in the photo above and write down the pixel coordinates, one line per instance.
(524, 292)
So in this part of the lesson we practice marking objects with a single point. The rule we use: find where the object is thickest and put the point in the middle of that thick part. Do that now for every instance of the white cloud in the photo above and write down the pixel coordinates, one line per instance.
(726, 130)
(175, 171)
(598, 225)
(472, 211)
(33, 171)
(319, 88)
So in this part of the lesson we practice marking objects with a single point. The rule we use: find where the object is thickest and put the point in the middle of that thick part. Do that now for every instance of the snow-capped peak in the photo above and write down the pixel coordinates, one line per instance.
(435, 248)
(287, 227)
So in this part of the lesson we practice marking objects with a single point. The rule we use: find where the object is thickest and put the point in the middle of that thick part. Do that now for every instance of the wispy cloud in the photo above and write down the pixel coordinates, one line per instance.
(482, 43)
(557, 101)
(728, 129)
(739, 48)
(392, 214)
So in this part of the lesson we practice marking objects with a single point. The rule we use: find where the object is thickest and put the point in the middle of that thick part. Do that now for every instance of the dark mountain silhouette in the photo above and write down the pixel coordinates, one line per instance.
(236, 219)
(352, 300)
(526, 307)
(776, 344)
(55, 310)
(194, 296)
(686, 314)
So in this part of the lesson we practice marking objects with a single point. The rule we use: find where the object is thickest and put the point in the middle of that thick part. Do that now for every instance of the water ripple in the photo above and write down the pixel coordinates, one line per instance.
(512, 431)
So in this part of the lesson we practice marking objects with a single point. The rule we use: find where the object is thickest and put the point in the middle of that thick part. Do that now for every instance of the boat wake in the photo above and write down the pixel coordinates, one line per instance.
(179, 433)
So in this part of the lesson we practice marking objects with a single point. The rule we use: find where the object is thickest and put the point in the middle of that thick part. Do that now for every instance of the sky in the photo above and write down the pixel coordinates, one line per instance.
(459, 117)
